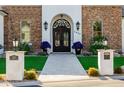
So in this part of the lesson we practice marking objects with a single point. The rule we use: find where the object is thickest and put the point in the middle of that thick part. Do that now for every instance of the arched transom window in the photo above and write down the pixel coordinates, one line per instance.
(61, 23)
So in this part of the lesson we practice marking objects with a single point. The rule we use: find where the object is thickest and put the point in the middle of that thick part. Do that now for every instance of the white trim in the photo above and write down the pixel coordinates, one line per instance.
(73, 11)
(122, 34)
(2, 33)
(2, 13)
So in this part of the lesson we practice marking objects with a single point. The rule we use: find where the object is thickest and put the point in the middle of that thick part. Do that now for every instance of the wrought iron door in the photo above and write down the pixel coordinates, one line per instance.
(61, 36)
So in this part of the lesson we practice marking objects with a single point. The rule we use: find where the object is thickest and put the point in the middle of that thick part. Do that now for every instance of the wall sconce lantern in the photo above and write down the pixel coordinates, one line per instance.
(78, 25)
(30, 45)
(45, 25)
(15, 44)
(105, 42)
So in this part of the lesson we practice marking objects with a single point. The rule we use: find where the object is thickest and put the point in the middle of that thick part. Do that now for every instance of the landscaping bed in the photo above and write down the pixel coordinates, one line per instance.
(31, 62)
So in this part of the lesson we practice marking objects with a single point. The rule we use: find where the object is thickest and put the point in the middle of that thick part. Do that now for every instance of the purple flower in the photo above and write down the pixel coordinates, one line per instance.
(45, 44)
(77, 45)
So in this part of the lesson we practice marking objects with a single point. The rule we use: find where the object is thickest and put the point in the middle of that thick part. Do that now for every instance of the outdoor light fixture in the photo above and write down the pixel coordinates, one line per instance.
(30, 45)
(45, 25)
(78, 25)
(105, 42)
(15, 43)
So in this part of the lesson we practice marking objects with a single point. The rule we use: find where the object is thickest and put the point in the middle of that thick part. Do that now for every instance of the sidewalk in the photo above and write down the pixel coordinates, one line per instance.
(62, 66)
(40, 84)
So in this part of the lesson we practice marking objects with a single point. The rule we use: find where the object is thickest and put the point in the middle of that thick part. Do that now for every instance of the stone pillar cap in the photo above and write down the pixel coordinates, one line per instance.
(15, 51)
(105, 50)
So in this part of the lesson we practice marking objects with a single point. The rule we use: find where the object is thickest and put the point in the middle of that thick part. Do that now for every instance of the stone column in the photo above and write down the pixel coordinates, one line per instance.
(15, 65)
(105, 61)
(2, 14)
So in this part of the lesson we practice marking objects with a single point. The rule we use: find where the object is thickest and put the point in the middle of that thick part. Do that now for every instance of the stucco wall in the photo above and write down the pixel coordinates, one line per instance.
(1, 30)
(49, 12)
(123, 34)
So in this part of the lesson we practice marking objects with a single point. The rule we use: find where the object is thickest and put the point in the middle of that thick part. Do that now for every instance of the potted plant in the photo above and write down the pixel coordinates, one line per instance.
(77, 46)
(45, 45)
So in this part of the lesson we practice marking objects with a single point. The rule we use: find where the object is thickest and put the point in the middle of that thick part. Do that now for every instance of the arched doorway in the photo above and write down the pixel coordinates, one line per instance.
(61, 36)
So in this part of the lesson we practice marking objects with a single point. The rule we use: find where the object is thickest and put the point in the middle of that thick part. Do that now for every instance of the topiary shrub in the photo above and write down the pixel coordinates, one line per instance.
(118, 70)
(30, 75)
(93, 72)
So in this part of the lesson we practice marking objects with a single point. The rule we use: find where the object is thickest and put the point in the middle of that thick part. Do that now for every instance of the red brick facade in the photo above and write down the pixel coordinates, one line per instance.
(111, 17)
(15, 15)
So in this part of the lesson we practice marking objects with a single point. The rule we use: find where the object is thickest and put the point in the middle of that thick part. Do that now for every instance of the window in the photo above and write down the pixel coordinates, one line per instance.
(25, 31)
(97, 28)
(66, 36)
(57, 39)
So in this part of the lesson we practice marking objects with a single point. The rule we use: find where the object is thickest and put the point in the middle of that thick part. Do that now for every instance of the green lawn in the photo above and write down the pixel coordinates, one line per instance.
(35, 62)
(92, 62)
(38, 62)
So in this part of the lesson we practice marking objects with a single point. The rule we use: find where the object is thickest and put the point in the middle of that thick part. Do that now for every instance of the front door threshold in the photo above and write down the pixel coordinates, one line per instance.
(62, 52)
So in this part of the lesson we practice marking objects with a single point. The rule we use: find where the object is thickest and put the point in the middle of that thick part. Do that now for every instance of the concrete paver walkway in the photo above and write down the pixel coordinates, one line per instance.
(62, 66)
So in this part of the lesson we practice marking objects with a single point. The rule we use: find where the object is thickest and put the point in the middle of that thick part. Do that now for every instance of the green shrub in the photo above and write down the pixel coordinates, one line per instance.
(93, 72)
(97, 43)
(118, 70)
(95, 47)
(24, 47)
(30, 75)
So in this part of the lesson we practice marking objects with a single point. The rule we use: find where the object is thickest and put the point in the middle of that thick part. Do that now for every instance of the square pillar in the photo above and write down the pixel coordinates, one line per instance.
(105, 62)
(2, 14)
(15, 65)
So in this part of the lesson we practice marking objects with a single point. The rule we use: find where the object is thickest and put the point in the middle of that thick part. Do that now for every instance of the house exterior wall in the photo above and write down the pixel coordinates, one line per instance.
(12, 24)
(1, 30)
(50, 11)
(123, 34)
(111, 17)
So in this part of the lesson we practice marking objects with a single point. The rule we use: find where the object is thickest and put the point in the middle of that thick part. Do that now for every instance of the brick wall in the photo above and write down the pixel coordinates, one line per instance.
(111, 17)
(18, 13)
